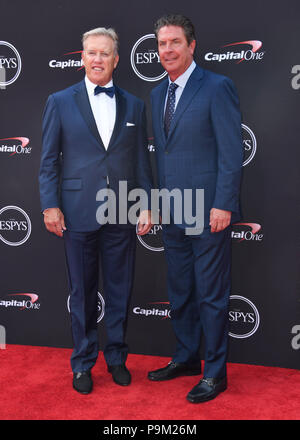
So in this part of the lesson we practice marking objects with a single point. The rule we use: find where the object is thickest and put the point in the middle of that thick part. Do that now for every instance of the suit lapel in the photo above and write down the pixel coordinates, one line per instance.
(83, 103)
(161, 106)
(191, 88)
(120, 116)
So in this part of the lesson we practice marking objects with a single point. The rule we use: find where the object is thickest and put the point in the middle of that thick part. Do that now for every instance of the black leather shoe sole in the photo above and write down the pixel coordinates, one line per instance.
(83, 384)
(83, 392)
(206, 397)
(160, 376)
(120, 374)
(122, 384)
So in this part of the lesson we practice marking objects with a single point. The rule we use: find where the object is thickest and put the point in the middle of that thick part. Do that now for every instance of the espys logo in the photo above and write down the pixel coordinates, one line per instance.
(145, 59)
(100, 307)
(244, 318)
(15, 146)
(249, 143)
(246, 232)
(68, 63)
(10, 64)
(161, 310)
(152, 240)
(15, 226)
(243, 55)
(21, 303)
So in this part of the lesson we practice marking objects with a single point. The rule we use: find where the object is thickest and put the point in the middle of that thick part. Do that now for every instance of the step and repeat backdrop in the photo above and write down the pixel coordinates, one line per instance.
(257, 46)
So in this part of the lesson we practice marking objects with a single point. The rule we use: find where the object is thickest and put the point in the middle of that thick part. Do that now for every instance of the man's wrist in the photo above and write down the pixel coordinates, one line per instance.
(47, 209)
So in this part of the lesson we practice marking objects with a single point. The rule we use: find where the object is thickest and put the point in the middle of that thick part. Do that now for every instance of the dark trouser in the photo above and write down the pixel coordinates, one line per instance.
(116, 247)
(199, 282)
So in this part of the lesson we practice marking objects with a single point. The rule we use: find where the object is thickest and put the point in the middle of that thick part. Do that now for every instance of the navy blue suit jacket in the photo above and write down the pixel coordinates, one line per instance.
(204, 147)
(74, 161)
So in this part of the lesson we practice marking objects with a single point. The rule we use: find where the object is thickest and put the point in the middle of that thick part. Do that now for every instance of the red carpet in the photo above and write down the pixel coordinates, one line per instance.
(36, 384)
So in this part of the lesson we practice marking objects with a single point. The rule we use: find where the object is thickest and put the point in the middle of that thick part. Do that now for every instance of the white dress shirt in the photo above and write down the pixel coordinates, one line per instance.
(104, 110)
(181, 82)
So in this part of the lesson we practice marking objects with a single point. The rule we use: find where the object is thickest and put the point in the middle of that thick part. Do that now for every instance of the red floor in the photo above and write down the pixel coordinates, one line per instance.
(36, 384)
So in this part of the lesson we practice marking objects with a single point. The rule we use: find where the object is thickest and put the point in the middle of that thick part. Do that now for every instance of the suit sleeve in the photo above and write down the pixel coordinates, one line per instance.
(144, 171)
(226, 119)
(50, 157)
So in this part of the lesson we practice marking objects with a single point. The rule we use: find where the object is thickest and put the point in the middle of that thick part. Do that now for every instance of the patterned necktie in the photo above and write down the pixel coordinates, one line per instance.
(170, 107)
(110, 91)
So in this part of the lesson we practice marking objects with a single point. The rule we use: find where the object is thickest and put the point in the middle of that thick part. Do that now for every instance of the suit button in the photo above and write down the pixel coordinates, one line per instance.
(166, 152)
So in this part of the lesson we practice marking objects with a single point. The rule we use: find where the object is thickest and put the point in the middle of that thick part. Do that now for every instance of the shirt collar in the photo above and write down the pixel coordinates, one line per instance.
(183, 79)
(90, 86)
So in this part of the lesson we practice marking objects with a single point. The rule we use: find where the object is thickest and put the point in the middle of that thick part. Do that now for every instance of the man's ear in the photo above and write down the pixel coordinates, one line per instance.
(192, 46)
(116, 60)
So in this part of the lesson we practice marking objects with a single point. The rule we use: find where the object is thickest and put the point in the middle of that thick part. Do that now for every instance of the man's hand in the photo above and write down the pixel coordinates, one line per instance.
(54, 221)
(219, 219)
(144, 224)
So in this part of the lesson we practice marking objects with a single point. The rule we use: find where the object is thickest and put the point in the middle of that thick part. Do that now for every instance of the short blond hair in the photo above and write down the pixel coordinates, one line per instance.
(107, 32)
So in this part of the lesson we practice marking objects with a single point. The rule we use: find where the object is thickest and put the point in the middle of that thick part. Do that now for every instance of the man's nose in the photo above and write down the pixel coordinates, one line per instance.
(98, 57)
(168, 47)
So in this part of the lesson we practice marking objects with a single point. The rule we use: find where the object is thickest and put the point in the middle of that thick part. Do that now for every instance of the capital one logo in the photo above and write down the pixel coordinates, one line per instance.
(10, 64)
(159, 309)
(246, 232)
(249, 144)
(100, 307)
(245, 54)
(21, 303)
(145, 59)
(71, 62)
(15, 146)
(244, 318)
(152, 240)
(15, 226)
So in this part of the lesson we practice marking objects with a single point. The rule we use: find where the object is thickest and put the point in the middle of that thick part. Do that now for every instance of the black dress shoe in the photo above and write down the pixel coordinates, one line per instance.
(82, 382)
(173, 370)
(207, 389)
(120, 374)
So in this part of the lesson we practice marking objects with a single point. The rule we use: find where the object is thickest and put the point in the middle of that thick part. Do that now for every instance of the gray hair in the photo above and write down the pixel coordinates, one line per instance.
(107, 32)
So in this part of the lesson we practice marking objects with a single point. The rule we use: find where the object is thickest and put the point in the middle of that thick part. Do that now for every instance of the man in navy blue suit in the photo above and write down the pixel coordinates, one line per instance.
(197, 135)
(94, 136)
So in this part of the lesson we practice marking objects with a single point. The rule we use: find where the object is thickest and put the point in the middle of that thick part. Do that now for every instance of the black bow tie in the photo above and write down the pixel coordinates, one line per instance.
(110, 91)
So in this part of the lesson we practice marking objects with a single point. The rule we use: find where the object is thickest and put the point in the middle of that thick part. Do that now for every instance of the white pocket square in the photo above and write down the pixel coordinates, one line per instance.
(129, 124)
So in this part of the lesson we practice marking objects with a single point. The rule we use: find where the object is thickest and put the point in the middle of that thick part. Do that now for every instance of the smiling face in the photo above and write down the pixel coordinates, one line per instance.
(99, 59)
(175, 53)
